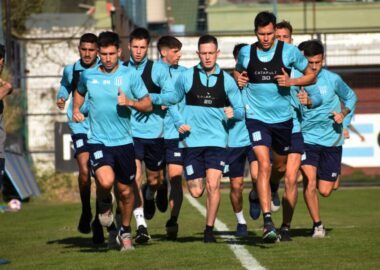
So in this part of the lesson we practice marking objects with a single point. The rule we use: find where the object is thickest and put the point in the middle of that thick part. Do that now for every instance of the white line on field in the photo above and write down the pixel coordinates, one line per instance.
(241, 253)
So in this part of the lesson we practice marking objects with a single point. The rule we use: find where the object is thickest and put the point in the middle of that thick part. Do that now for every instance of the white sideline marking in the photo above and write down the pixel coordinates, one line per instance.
(241, 253)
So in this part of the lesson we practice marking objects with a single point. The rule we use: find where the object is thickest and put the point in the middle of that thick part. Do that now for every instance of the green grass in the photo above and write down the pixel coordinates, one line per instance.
(43, 236)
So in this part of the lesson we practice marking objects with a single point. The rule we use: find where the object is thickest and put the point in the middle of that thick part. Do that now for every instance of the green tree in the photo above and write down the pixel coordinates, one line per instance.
(20, 11)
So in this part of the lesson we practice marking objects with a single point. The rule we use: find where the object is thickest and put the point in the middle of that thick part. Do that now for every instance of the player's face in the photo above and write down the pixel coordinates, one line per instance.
(208, 53)
(138, 49)
(266, 36)
(315, 62)
(88, 52)
(109, 56)
(284, 35)
(171, 56)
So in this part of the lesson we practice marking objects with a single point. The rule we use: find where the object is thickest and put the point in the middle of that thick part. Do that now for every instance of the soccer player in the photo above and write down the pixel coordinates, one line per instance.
(112, 91)
(88, 50)
(267, 64)
(147, 132)
(208, 91)
(170, 52)
(299, 98)
(238, 151)
(323, 133)
(5, 89)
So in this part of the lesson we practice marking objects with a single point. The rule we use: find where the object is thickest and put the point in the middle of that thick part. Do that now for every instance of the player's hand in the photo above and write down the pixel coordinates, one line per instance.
(184, 128)
(243, 79)
(338, 117)
(303, 97)
(283, 79)
(346, 133)
(122, 99)
(164, 107)
(78, 117)
(229, 112)
(6, 87)
(61, 103)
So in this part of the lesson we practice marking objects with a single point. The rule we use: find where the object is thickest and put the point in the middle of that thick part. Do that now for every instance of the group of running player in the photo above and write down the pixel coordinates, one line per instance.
(283, 112)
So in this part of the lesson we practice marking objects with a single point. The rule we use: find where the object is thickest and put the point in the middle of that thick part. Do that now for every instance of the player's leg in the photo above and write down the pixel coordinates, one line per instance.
(84, 180)
(309, 167)
(174, 161)
(125, 171)
(331, 159)
(195, 171)
(234, 169)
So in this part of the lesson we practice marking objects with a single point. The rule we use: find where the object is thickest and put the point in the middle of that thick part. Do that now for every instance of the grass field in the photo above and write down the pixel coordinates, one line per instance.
(43, 236)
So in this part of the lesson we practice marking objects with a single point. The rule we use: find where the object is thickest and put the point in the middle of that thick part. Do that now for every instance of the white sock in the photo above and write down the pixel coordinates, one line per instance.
(139, 217)
(240, 217)
(149, 194)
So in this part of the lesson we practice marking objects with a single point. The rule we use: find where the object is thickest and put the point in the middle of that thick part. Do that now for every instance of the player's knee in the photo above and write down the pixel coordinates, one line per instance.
(325, 192)
(196, 192)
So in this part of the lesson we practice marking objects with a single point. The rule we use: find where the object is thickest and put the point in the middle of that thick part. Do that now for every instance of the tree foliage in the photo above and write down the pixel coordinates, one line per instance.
(20, 11)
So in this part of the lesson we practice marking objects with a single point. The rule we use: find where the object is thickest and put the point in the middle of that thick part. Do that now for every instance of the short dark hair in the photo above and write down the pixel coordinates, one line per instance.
(108, 38)
(285, 25)
(2, 51)
(139, 33)
(237, 48)
(168, 42)
(88, 38)
(312, 48)
(207, 39)
(264, 18)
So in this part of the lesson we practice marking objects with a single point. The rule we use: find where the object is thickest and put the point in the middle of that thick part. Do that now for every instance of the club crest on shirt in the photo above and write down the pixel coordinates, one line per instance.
(118, 81)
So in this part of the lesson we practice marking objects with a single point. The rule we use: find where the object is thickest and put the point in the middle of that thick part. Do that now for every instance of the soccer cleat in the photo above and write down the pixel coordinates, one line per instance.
(124, 241)
(269, 235)
(105, 212)
(208, 237)
(275, 202)
(84, 225)
(241, 230)
(319, 231)
(97, 232)
(171, 229)
(162, 197)
(142, 235)
(254, 205)
(284, 235)
(149, 206)
(112, 240)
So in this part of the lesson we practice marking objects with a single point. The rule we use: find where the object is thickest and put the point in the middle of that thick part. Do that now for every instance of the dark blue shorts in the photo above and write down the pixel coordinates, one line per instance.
(297, 144)
(151, 151)
(276, 136)
(236, 159)
(327, 160)
(80, 143)
(120, 158)
(198, 159)
(173, 154)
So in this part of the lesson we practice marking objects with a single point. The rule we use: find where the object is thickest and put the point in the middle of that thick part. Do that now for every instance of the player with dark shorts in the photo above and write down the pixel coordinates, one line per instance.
(267, 65)
(322, 130)
(170, 52)
(88, 50)
(148, 132)
(209, 94)
(112, 90)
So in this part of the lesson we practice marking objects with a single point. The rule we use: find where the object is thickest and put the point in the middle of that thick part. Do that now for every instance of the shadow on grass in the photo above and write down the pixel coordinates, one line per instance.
(302, 232)
(224, 237)
(84, 244)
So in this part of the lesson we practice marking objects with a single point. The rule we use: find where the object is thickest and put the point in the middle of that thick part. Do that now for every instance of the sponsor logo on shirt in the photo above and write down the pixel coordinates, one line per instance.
(322, 90)
(106, 82)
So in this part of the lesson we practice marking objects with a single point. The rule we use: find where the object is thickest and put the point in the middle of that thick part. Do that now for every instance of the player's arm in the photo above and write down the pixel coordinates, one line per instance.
(6, 88)
(234, 96)
(143, 104)
(78, 99)
(349, 99)
(65, 88)
(168, 95)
